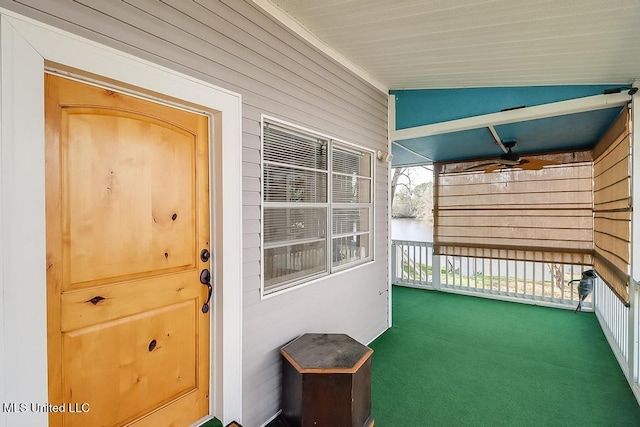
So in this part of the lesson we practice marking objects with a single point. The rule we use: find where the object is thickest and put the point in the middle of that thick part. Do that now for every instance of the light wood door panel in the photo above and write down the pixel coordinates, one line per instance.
(133, 296)
(127, 202)
(129, 190)
(94, 366)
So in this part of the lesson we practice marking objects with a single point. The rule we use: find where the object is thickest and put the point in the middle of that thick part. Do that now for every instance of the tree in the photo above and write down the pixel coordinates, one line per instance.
(407, 199)
(404, 204)
(395, 178)
(557, 275)
(423, 201)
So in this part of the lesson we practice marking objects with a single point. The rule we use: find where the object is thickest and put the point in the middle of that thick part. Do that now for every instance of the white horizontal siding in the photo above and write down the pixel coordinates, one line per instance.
(250, 183)
(251, 169)
(251, 141)
(252, 254)
(250, 212)
(250, 154)
(250, 269)
(250, 240)
(252, 286)
(250, 226)
(234, 45)
(250, 198)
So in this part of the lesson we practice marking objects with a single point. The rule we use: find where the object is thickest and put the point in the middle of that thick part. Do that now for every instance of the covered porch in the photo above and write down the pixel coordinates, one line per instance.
(525, 232)
(527, 92)
(525, 113)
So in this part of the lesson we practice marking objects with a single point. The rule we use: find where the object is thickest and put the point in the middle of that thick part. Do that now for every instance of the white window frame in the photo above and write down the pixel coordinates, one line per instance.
(329, 204)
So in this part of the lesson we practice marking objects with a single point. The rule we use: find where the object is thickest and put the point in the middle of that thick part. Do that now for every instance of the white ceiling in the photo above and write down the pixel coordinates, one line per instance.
(407, 44)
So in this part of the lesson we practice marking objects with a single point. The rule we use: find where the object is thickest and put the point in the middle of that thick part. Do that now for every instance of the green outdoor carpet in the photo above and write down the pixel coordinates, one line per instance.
(212, 423)
(452, 360)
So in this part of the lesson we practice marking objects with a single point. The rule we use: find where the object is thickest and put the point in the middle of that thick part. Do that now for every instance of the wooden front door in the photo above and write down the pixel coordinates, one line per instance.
(127, 207)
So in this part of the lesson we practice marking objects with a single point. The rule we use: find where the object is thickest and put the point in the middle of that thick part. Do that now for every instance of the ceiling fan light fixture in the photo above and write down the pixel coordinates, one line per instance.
(509, 158)
(509, 162)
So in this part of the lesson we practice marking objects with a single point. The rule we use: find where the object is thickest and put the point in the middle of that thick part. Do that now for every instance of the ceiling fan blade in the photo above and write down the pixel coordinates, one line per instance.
(479, 167)
(527, 165)
(542, 162)
(493, 168)
(535, 164)
(511, 160)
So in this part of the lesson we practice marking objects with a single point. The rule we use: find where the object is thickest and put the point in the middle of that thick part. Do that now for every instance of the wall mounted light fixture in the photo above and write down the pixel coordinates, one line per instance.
(385, 157)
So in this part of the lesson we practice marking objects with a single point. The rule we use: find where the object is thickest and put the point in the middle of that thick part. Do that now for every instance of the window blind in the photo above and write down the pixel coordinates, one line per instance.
(351, 204)
(296, 206)
(516, 214)
(317, 206)
(612, 206)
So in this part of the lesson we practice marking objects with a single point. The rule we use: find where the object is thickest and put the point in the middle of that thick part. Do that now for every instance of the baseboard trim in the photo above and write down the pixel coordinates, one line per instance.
(276, 415)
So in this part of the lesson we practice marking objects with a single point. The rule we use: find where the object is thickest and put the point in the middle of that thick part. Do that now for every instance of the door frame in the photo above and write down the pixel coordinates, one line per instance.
(27, 49)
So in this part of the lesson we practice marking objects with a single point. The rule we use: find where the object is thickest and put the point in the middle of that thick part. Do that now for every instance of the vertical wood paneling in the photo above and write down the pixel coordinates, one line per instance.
(234, 45)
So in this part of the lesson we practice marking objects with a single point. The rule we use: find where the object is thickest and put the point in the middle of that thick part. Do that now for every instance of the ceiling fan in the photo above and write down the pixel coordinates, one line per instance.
(511, 160)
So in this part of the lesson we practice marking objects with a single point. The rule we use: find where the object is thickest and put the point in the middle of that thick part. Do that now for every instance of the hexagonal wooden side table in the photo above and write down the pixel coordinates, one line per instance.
(326, 382)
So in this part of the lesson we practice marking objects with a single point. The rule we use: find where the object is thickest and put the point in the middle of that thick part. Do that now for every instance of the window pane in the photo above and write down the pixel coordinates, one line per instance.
(351, 161)
(296, 185)
(287, 265)
(347, 221)
(284, 184)
(350, 249)
(287, 225)
(291, 148)
(349, 189)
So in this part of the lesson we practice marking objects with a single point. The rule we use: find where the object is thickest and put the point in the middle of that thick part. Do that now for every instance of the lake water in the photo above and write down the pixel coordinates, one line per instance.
(411, 229)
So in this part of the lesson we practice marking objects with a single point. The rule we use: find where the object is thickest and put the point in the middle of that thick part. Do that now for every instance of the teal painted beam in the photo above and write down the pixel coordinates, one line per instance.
(428, 106)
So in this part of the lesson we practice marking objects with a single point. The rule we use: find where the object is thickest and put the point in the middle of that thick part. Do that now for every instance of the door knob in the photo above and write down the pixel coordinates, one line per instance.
(205, 276)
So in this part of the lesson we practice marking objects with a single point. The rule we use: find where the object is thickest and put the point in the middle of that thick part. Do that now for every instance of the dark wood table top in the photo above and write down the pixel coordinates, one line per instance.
(326, 353)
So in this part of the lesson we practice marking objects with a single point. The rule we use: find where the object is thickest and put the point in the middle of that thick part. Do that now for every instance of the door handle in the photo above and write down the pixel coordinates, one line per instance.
(205, 279)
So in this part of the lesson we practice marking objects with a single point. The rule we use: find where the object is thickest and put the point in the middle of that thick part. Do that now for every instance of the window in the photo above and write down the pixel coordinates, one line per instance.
(316, 206)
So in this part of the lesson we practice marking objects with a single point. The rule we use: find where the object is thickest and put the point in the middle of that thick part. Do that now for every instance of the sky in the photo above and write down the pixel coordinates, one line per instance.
(419, 175)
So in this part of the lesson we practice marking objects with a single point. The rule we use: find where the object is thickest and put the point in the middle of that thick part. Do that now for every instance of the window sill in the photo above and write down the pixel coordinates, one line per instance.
(338, 272)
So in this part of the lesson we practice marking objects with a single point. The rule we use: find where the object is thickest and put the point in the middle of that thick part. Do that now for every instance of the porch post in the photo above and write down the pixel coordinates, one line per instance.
(394, 262)
(391, 247)
(435, 271)
(634, 313)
